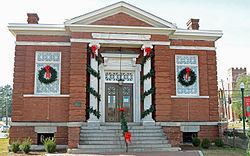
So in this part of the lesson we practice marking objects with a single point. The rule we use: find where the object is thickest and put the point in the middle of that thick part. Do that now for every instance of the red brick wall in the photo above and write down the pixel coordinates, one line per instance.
(174, 135)
(210, 132)
(61, 136)
(121, 19)
(73, 137)
(78, 81)
(20, 133)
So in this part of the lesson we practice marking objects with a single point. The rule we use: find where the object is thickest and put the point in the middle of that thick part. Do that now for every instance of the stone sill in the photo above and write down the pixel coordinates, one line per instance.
(41, 95)
(197, 97)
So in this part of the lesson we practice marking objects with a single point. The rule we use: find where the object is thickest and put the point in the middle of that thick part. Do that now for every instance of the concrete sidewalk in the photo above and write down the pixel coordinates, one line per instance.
(179, 153)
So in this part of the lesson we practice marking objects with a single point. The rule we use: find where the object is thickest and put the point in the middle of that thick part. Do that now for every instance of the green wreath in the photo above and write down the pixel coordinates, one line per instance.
(53, 75)
(183, 81)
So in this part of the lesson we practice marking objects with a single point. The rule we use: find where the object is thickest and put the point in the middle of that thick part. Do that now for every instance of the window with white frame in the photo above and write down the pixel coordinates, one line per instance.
(53, 59)
(183, 62)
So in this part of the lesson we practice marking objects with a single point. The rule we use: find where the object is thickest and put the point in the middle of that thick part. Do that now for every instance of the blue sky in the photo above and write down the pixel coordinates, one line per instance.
(230, 16)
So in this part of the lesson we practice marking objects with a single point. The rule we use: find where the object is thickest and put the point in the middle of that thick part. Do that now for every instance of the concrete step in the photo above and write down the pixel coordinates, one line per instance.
(132, 145)
(120, 135)
(153, 149)
(119, 127)
(99, 151)
(118, 131)
(119, 124)
(114, 138)
(96, 146)
(89, 142)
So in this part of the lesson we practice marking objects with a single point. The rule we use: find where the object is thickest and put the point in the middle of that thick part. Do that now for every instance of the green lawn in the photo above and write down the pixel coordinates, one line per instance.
(224, 152)
(4, 146)
(236, 125)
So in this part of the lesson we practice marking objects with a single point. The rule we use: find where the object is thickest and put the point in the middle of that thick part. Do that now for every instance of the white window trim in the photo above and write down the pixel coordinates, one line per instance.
(59, 75)
(176, 78)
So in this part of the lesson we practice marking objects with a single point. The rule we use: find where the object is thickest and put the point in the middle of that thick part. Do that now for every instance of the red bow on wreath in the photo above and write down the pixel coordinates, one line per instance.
(122, 109)
(47, 71)
(127, 137)
(148, 50)
(187, 70)
(93, 50)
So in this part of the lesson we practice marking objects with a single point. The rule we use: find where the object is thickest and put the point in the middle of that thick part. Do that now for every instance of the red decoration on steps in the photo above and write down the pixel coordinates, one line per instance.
(187, 70)
(122, 109)
(127, 137)
(47, 71)
(148, 50)
(93, 50)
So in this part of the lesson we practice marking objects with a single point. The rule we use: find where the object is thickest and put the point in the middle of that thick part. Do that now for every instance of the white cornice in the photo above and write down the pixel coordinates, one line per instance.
(37, 29)
(44, 43)
(121, 36)
(121, 7)
(192, 48)
(119, 29)
(207, 35)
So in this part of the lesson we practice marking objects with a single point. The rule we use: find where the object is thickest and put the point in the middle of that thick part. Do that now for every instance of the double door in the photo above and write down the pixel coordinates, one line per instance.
(118, 96)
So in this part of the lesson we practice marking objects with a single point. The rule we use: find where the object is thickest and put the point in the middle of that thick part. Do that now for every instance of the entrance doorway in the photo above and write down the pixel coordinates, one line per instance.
(116, 97)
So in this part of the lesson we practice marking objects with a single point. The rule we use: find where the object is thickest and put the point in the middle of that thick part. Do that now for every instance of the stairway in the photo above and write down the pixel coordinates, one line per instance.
(107, 138)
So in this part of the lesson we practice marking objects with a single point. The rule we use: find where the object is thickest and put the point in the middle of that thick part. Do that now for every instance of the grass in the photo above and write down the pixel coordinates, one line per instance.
(224, 152)
(4, 146)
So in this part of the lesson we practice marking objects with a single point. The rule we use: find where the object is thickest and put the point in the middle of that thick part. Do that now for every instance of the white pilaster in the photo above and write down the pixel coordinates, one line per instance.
(147, 85)
(93, 102)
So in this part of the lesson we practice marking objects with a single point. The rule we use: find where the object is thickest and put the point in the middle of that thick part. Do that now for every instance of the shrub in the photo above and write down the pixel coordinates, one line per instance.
(50, 144)
(205, 143)
(196, 141)
(14, 147)
(219, 142)
(25, 146)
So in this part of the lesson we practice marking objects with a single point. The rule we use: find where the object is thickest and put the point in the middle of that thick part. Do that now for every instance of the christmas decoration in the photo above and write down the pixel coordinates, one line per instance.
(127, 137)
(51, 75)
(148, 111)
(93, 72)
(93, 51)
(187, 70)
(93, 92)
(122, 109)
(146, 93)
(97, 58)
(124, 125)
(148, 75)
(181, 79)
(144, 59)
(94, 111)
(148, 50)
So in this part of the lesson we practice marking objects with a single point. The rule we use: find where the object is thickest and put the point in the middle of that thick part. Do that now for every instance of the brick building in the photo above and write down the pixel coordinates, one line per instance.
(148, 55)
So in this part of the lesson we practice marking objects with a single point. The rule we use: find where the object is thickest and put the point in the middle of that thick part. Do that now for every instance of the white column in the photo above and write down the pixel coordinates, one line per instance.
(147, 85)
(94, 84)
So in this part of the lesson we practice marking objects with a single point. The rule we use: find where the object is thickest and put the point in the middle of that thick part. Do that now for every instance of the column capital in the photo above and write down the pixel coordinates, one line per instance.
(95, 43)
(144, 46)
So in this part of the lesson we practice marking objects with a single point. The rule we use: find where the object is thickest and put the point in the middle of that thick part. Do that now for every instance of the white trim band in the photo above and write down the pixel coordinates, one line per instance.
(186, 123)
(197, 97)
(120, 42)
(39, 95)
(121, 36)
(44, 43)
(192, 48)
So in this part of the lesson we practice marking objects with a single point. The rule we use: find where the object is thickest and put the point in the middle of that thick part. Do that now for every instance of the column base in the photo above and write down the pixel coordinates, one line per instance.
(95, 123)
(148, 122)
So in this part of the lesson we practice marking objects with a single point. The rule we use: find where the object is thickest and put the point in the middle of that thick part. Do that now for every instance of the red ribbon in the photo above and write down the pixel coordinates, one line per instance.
(47, 71)
(187, 70)
(148, 50)
(127, 137)
(93, 50)
(122, 109)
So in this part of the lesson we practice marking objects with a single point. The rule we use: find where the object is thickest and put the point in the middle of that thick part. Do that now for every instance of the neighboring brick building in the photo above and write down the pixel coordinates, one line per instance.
(233, 75)
(120, 34)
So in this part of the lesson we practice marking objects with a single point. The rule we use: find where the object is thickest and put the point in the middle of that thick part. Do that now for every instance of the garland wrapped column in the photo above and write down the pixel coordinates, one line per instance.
(93, 88)
(147, 85)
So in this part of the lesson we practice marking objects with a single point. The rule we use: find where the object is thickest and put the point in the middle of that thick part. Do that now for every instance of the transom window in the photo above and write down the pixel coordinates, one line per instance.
(182, 62)
(52, 59)
(115, 76)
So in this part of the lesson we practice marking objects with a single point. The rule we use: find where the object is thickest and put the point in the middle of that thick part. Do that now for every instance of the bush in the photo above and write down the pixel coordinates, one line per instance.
(219, 142)
(14, 147)
(26, 144)
(196, 141)
(205, 143)
(50, 144)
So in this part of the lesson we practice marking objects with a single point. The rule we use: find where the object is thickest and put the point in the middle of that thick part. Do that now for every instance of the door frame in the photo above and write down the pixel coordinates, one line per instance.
(113, 66)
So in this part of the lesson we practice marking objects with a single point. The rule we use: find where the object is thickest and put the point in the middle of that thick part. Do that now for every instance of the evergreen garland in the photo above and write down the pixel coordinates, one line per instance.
(97, 58)
(124, 124)
(93, 72)
(93, 92)
(183, 81)
(94, 111)
(148, 111)
(148, 75)
(144, 59)
(146, 93)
